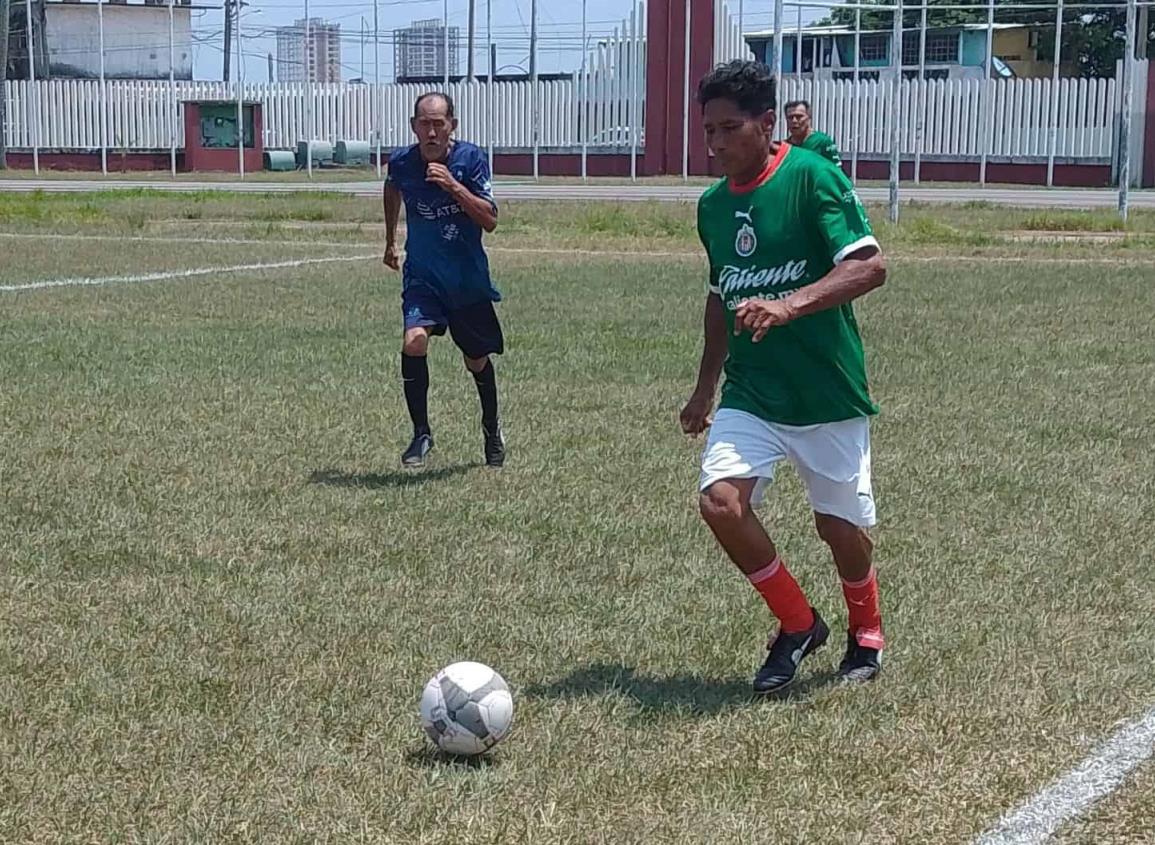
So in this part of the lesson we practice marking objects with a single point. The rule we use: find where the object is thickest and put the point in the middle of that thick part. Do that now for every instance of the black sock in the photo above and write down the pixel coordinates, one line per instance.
(487, 391)
(415, 375)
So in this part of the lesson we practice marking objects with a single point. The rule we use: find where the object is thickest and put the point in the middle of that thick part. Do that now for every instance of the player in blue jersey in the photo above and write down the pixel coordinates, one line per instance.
(445, 186)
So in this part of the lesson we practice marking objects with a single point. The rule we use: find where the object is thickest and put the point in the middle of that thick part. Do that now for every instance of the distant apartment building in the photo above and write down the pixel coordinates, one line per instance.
(309, 52)
(419, 50)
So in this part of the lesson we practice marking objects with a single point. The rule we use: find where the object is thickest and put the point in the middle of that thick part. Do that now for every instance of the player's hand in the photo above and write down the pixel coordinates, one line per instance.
(758, 316)
(697, 416)
(392, 259)
(439, 175)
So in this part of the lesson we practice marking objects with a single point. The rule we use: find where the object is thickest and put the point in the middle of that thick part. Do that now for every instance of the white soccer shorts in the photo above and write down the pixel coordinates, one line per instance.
(833, 460)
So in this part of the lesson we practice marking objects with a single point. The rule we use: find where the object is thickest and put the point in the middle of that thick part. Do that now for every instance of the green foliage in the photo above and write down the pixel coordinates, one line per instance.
(656, 220)
(1073, 221)
(882, 20)
(926, 231)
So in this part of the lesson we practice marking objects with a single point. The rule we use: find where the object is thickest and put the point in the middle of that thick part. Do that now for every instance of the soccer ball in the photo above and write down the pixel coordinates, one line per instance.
(466, 709)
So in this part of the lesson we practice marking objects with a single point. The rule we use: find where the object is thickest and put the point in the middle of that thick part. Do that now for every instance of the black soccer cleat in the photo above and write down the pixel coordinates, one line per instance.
(860, 664)
(419, 449)
(786, 653)
(494, 447)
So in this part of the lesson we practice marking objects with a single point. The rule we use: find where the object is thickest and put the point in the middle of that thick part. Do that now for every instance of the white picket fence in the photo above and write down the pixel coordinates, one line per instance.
(66, 115)
(859, 115)
(602, 108)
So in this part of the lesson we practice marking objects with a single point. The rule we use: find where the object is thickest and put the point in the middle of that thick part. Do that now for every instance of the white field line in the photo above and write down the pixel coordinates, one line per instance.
(1023, 259)
(258, 242)
(1077, 791)
(685, 255)
(174, 274)
(151, 239)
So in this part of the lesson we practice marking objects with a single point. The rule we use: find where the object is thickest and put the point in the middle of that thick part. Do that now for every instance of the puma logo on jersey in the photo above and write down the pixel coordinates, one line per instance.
(748, 216)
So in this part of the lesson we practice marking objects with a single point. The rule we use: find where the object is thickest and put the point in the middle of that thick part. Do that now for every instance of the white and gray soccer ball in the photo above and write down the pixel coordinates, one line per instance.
(466, 709)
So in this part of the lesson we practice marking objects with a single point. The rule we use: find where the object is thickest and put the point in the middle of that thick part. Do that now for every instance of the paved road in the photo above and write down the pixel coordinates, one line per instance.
(1023, 197)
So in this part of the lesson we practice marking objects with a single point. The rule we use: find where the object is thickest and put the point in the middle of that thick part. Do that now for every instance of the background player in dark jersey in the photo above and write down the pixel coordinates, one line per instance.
(445, 185)
(799, 124)
(790, 248)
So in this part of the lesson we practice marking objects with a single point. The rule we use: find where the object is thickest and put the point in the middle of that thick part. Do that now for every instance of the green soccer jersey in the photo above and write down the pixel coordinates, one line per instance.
(823, 144)
(765, 243)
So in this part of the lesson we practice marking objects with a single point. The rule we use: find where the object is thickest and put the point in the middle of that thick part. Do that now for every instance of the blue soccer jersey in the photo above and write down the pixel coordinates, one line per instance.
(443, 246)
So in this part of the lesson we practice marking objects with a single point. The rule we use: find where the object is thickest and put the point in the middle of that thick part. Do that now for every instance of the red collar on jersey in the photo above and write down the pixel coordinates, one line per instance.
(764, 176)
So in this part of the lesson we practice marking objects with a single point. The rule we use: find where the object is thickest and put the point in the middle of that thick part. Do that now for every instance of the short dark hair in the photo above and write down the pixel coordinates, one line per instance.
(439, 95)
(747, 84)
(793, 104)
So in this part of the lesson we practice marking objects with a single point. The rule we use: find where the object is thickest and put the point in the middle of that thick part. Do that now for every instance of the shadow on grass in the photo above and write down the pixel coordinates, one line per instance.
(387, 480)
(426, 757)
(673, 693)
(703, 696)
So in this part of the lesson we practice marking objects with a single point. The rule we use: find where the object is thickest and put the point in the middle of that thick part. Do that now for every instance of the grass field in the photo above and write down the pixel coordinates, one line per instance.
(220, 598)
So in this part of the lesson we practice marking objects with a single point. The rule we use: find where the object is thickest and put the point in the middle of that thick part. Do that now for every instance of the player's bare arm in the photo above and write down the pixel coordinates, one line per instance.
(857, 275)
(480, 210)
(696, 416)
(392, 200)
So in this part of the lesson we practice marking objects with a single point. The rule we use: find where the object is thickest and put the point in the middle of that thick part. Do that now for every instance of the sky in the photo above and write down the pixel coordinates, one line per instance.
(559, 30)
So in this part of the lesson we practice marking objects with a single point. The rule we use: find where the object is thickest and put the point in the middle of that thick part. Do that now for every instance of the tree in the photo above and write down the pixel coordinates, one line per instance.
(911, 18)
(1095, 44)
(4, 11)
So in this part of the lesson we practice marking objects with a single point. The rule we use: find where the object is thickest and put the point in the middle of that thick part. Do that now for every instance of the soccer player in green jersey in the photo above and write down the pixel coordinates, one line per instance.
(790, 249)
(802, 133)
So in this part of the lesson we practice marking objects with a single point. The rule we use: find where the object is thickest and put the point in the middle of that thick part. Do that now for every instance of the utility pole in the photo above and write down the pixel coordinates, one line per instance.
(4, 7)
(228, 37)
(1144, 31)
(534, 92)
(469, 49)
(533, 40)
(34, 129)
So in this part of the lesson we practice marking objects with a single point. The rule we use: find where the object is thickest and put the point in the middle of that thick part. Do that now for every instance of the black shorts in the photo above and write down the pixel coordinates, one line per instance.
(474, 328)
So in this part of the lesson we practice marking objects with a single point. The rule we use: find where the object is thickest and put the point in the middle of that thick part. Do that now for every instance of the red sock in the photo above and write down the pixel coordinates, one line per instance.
(865, 616)
(783, 596)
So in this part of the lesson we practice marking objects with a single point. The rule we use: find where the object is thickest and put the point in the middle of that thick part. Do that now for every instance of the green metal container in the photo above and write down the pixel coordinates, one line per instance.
(280, 160)
(352, 153)
(322, 153)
